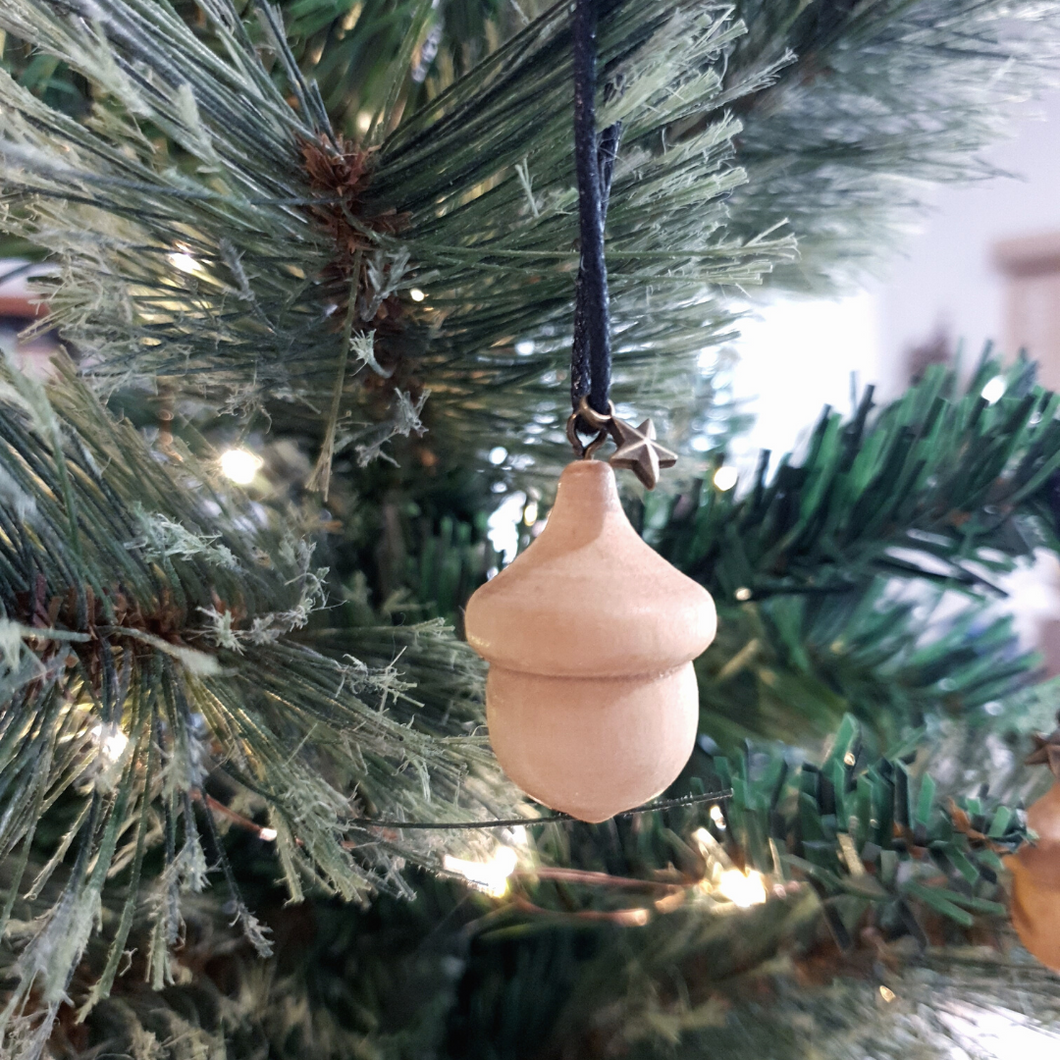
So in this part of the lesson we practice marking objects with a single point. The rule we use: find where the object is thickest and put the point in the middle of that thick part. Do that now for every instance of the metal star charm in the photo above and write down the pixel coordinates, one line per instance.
(639, 452)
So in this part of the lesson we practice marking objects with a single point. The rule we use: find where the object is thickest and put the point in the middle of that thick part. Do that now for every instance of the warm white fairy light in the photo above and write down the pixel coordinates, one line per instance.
(181, 259)
(743, 889)
(112, 741)
(530, 513)
(416, 294)
(723, 880)
(491, 876)
(887, 994)
(268, 834)
(240, 465)
(725, 477)
(517, 837)
(994, 390)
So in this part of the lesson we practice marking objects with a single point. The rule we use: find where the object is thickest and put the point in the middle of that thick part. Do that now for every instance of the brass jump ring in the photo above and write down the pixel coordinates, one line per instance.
(583, 452)
(598, 421)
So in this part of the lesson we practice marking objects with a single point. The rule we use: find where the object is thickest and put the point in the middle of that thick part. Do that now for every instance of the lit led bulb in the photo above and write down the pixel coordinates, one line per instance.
(725, 477)
(742, 889)
(182, 260)
(491, 876)
(240, 465)
(994, 390)
(112, 741)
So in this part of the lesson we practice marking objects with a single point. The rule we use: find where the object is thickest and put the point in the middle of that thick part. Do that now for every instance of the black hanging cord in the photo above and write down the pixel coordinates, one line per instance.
(581, 370)
(594, 164)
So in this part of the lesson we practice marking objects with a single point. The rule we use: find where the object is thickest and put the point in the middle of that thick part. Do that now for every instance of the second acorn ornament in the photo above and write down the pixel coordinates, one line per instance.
(1035, 867)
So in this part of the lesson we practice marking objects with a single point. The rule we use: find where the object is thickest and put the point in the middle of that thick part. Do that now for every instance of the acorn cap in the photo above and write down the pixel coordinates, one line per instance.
(589, 598)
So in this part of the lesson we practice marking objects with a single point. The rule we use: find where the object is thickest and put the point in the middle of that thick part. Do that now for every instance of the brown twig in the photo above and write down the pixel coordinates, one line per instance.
(637, 917)
(596, 879)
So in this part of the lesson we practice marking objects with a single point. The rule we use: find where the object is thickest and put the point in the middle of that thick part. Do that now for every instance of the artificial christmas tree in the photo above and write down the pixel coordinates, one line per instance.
(244, 782)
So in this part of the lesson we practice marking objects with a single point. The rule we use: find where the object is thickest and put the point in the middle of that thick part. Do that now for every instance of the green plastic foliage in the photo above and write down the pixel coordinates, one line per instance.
(826, 573)
(940, 486)
(790, 666)
(350, 48)
(149, 667)
(107, 196)
(166, 204)
(180, 213)
(868, 834)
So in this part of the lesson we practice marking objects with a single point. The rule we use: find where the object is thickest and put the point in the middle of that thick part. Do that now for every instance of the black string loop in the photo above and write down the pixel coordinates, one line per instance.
(594, 163)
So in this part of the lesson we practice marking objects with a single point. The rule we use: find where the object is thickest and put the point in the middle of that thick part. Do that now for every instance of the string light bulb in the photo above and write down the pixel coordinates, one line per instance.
(240, 466)
(416, 294)
(491, 876)
(181, 259)
(725, 477)
(994, 390)
(112, 741)
(743, 889)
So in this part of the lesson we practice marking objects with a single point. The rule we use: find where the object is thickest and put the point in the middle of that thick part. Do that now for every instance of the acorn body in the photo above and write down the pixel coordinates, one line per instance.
(591, 699)
(1036, 882)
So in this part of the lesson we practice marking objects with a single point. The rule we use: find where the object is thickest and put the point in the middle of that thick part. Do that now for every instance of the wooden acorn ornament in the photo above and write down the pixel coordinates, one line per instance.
(1035, 868)
(591, 698)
